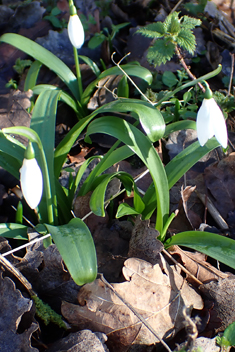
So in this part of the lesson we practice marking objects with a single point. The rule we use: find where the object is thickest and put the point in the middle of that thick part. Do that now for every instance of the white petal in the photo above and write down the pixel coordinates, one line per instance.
(219, 124)
(204, 124)
(76, 31)
(31, 182)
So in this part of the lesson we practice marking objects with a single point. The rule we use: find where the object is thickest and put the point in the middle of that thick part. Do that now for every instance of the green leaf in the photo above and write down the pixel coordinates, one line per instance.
(43, 123)
(125, 210)
(12, 154)
(228, 338)
(178, 126)
(181, 163)
(123, 88)
(130, 69)
(186, 40)
(95, 69)
(169, 19)
(66, 144)
(98, 196)
(96, 40)
(63, 96)
(174, 26)
(150, 118)
(190, 22)
(142, 146)
(196, 9)
(32, 75)
(54, 21)
(152, 30)
(161, 52)
(111, 157)
(78, 177)
(218, 247)
(12, 230)
(169, 79)
(76, 246)
(45, 57)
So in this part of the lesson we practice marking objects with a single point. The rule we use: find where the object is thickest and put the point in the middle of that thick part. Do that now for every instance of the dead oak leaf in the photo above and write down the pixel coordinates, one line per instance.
(196, 264)
(13, 306)
(157, 292)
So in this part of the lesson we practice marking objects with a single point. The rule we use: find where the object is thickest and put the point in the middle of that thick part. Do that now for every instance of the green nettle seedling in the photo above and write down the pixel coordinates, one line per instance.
(71, 235)
(171, 34)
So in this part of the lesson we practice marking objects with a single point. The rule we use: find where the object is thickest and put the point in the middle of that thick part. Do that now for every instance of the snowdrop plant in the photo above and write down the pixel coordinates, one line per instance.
(71, 235)
(210, 121)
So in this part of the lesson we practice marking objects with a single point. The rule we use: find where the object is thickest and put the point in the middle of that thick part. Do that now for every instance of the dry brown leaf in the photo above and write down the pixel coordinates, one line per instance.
(197, 265)
(13, 306)
(219, 179)
(222, 294)
(81, 341)
(186, 219)
(143, 243)
(157, 292)
(13, 110)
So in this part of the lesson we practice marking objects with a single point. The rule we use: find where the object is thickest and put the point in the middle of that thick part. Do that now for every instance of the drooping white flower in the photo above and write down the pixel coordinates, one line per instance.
(31, 181)
(76, 31)
(211, 122)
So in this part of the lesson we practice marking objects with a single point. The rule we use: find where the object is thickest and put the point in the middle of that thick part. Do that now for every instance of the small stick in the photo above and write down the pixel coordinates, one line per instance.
(182, 267)
(231, 75)
(17, 274)
(183, 63)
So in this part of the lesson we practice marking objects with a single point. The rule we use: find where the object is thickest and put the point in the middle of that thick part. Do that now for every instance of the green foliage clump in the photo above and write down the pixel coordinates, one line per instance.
(174, 31)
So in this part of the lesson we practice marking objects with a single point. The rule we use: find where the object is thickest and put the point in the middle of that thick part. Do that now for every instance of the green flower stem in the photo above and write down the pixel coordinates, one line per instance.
(190, 84)
(162, 235)
(33, 137)
(78, 72)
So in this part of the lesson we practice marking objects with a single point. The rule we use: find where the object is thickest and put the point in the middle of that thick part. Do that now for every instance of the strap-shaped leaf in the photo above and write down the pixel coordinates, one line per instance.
(45, 57)
(65, 97)
(218, 247)
(142, 146)
(76, 246)
(12, 230)
(32, 75)
(98, 195)
(43, 123)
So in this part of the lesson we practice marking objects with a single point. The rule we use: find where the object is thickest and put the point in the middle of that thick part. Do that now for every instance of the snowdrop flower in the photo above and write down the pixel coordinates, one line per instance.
(76, 31)
(210, 121)
(31, 180)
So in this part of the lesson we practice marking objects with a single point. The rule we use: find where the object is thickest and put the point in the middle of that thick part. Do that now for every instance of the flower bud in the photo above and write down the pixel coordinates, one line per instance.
(31, 179)
(76, 31)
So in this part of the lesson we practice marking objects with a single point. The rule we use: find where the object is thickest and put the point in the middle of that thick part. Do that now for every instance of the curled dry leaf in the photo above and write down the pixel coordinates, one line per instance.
(13, 306)
(197, 265)
(157, 292)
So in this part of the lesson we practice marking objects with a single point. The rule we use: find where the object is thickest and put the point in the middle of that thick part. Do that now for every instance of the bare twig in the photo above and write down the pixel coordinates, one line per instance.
(4, 262)
(118, 65)
(231, 75)
(182, 267)
(176, 6)
(183, 63)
